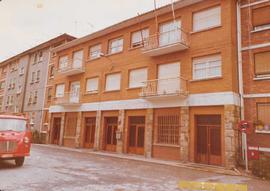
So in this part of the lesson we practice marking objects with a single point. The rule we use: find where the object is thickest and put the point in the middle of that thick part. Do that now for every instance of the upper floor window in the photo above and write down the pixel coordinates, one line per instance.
(92, 85)
(60, 90)
(262, 64)
(63, 62)
(40, 56)
(35, 97)
(2, 85)
(138, 38)
(95, 51)
(261, 17)
(113, 82)
(33, 77)
(137, 77)
(207, 19)
(22, 70)
(77, 59)
(263, 110)
(207, 67)
(49, 94)
(116, 45)
(51, 71)
(4, 70)
(38, 76)
(169, 33)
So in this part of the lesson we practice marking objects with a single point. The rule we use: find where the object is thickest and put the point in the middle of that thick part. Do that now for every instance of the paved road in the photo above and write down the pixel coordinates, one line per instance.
(56, 169)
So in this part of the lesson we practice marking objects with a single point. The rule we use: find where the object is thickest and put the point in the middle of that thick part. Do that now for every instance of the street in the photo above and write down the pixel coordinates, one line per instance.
(56, 169)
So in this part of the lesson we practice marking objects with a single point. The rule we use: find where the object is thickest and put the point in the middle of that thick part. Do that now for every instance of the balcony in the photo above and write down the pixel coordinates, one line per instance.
(68, 99)
(73, 67)
(171, 87)
(165, 43)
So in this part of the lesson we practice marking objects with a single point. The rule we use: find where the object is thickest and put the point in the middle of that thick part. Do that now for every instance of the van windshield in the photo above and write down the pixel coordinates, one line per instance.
(18, 125)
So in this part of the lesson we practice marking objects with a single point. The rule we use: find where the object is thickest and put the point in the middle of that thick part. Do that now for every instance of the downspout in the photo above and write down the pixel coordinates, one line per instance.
(240, 66)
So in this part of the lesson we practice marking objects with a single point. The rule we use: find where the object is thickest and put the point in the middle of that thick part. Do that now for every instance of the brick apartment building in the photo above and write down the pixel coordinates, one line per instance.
(23, 80)
(255, 57)
(161, 85)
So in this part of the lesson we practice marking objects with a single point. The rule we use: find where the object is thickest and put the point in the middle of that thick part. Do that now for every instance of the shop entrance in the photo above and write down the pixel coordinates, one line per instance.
(110, 133)
(56, 130)
(89, 132)
(208, 136)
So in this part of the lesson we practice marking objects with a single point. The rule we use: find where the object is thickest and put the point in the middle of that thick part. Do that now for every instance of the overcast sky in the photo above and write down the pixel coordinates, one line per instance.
(27, 23)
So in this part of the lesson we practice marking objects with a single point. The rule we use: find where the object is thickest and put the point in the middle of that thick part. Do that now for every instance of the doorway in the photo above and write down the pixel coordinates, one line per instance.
(136, 133)
(89, 132)
(56, 130)
(110, 133)
(208, 137)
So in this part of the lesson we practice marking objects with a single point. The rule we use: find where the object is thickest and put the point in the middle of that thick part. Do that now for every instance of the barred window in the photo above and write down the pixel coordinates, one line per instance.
(168, 127)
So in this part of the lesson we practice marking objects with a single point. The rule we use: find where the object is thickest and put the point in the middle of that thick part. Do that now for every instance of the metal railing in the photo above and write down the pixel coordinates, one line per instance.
(164, 87)
(165, 39)
(67, 98)
(71, 65)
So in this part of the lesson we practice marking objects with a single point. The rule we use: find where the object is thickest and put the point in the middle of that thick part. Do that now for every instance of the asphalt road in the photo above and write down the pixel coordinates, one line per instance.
(56, 169)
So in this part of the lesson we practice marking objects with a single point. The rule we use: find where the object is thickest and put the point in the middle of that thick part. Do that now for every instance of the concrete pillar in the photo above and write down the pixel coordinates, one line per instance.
(98, 139)
(120, 130)
(78, 130)
(184, 134)
(231, 118)
(149, 133)
(61, 141)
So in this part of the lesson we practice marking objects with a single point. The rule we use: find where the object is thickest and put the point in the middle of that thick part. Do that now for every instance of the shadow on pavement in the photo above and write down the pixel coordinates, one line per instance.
(7, 164)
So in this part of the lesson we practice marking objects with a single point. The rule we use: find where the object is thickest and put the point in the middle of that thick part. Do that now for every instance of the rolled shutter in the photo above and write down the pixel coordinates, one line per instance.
(262, 63)
(261, 16)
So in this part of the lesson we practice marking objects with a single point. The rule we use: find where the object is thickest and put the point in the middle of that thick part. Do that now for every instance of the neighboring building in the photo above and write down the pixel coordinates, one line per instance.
(24, 77)
(166, 90)
(255, 55)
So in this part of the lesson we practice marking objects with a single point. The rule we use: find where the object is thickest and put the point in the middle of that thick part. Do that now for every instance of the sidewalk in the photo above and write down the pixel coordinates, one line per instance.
(189, 165)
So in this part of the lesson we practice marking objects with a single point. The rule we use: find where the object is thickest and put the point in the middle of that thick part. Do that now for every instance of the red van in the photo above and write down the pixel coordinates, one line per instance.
(15, 138)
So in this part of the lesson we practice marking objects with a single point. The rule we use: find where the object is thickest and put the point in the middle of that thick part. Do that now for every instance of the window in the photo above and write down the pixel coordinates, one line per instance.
(22, 70)
(263, 111)
(116, 45)
(261, 17)
(262, 63)
(13, 85)
(60, 89)
(38, 76)
(63, 62)
(40, 56)
(92, 85)
(139, 37)
(19, 90)
(11, 100)
(30, 98)
(207, 67)
(169, 33)
(113, 82)
(35, 58)
(137, 77)
(49, 95)
(33, 77)
(207, 18)
(95, 51)
(35, 97)
(2, 85)
(168, 127)
(4, 70)
(51, 71)
(77, 59)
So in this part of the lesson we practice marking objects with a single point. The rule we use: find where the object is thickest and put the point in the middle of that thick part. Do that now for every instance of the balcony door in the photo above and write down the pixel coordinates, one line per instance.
(74, 92)
(170, 33)
(168, 78)
(77, 59)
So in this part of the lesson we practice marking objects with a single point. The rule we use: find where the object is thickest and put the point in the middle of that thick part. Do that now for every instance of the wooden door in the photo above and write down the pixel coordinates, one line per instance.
(136, 135)
(110, 133)
(208, 128)
(89, 132)
(56, 130)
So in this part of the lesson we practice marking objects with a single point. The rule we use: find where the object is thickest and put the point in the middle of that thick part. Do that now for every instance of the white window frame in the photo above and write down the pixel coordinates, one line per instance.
(92, 88)
(77, 58)
(138, 38)
(95, 51)
(208, 63)
(63, 62)
(116, 45)
(62, 93)
(198, 19)
(109, 77)
(134, 75)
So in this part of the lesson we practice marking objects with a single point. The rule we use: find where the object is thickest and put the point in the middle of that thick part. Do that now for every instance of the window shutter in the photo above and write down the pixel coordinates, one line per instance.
(207, 18)
(262, 63)
(113, 82)
(60, 90)
(95, 51)
(261, 16)
(264, 112)
(137, 77)
(92, 85)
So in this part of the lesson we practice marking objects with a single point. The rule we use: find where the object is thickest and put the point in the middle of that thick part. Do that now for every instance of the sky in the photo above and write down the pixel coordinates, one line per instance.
(27, 23)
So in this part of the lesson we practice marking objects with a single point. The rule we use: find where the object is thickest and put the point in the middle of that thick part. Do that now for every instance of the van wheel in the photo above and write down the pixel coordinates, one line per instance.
(19, 161)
